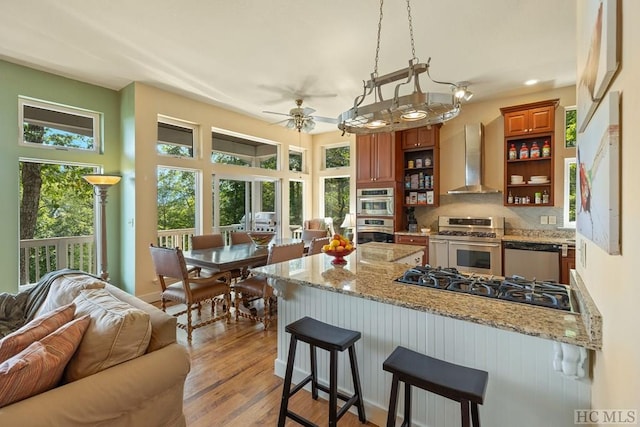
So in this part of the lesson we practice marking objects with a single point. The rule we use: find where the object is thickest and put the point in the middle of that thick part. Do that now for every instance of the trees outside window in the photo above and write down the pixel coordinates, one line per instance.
(56, 204)
(336, 157)
(336, 199)
(176, 199)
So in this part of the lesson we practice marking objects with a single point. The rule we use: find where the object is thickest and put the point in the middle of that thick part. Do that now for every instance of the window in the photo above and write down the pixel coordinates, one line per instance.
(176, 138)
(55, 126)
(570, 168)
(56, 219)
(295, 161)
(336, 198)
(176, 199)
(239, 150)
(570, 127)
(295, 204)
(336, 157)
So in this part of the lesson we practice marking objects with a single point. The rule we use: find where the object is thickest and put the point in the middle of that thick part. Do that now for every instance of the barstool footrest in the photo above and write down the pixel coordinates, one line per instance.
(300, 420)
(340, 395)
(300, 385)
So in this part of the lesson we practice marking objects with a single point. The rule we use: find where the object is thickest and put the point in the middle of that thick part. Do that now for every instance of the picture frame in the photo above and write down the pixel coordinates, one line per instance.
(598, 180)
(598, 57)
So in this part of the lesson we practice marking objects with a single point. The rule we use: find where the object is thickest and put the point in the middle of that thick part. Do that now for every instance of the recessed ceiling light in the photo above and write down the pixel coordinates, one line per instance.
(531, 82)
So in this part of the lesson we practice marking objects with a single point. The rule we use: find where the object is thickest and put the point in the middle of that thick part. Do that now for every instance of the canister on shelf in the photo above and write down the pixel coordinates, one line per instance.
(410, 165)
(524, 151)
(418, 163)
(538, 198)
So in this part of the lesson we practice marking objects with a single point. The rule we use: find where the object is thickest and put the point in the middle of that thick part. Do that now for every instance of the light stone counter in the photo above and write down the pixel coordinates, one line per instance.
(531, 354)
(369, 275)
(539, 239)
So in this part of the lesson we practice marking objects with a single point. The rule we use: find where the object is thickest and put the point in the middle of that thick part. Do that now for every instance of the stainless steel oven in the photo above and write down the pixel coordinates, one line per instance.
(468, 244)
(374, 230)
(375, 201)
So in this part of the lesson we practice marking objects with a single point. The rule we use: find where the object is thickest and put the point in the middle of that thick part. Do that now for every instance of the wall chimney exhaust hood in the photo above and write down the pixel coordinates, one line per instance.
(474, 142)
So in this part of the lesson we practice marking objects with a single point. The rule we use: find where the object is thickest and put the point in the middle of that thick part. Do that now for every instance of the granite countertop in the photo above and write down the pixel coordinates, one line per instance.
(369, 274)
(554, 238)
(539, 239)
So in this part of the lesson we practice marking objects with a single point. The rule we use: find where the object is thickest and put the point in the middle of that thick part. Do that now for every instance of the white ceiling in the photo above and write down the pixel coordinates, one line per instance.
(258, 55)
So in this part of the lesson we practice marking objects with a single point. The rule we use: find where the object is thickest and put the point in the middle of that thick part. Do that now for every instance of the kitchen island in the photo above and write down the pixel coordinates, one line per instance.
(515, 343)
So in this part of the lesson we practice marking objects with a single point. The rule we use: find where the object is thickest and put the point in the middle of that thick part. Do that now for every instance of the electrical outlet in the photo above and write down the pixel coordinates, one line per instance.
(552, 219)
(544, 219)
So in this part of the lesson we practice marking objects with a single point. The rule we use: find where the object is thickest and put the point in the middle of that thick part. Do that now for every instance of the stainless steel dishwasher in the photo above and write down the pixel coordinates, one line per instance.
(532, 260)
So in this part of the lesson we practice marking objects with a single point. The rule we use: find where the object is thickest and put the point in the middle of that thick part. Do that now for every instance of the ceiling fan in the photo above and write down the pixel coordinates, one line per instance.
(301, 118)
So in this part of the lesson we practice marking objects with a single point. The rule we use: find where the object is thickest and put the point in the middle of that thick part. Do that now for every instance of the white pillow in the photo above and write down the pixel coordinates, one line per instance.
(118, 332)
(65, 289)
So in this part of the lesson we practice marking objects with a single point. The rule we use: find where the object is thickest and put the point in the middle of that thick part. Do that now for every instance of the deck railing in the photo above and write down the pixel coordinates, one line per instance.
(40, 256)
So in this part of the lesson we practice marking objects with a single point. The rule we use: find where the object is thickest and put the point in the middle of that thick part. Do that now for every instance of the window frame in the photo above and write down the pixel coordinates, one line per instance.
(566, 223)
(325, 148)
(95, 117)
(195, 136)
(566, 110)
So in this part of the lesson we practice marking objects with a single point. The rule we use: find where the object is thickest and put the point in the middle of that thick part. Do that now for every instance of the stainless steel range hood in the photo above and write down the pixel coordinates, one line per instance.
(474, 141)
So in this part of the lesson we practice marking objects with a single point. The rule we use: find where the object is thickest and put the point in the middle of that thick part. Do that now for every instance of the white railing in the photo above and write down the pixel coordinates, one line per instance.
(40, 256)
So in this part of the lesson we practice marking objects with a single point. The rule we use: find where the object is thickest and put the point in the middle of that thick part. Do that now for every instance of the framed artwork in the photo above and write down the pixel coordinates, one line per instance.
(597, 56)
(598, 184)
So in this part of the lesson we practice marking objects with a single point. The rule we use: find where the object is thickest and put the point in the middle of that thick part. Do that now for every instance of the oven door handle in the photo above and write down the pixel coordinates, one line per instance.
(366, 229)
(486, 245)
(438, 242)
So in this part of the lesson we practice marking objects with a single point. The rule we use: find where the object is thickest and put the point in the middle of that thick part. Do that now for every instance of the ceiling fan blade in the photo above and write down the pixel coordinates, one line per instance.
(325, 120)
(307, 111)
(273, 112)
(279, 122)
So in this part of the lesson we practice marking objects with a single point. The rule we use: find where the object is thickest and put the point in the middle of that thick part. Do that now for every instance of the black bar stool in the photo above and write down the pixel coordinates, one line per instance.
(455, 382)
(333, 340)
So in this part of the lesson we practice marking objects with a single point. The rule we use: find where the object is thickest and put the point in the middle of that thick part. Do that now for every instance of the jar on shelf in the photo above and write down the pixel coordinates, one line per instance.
(545, 197)
(524, 151)
(513, 153)
(510, 198)
(546, 149)
(535, 150)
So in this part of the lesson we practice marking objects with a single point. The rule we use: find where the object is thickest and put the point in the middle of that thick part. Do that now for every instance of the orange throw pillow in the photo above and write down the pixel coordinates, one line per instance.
(40, 366)
(35, 330)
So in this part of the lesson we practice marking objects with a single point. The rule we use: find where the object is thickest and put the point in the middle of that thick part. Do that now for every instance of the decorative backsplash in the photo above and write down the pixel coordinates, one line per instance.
(519, 221)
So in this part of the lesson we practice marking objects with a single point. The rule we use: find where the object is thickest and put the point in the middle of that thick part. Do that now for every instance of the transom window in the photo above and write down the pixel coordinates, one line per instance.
(337, 156)
(55, 126)
(239, 150)
(176, 138)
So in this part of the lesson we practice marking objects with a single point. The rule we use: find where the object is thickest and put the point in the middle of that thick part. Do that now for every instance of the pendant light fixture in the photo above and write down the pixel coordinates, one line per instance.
(401, 111)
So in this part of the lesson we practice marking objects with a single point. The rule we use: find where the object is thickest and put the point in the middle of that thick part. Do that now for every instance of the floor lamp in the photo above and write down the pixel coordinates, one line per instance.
(101, 183)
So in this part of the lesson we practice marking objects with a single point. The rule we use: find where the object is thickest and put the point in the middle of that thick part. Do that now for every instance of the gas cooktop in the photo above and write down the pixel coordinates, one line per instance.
(516, 288)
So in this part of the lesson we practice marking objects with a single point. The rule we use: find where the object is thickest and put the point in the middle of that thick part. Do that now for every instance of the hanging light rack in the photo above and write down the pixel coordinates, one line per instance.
(399, 112)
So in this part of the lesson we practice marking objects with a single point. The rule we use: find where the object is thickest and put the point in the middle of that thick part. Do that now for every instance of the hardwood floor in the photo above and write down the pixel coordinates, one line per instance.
(232, 383)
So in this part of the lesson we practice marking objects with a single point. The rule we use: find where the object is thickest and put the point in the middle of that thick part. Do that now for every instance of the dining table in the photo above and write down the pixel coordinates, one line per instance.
(231, 257)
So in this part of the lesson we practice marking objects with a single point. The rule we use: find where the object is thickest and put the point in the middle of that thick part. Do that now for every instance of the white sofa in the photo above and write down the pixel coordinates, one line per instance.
(145, 391)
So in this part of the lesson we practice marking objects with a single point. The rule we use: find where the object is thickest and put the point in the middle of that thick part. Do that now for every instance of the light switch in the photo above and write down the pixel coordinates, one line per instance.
(544, 219)
(552, 219)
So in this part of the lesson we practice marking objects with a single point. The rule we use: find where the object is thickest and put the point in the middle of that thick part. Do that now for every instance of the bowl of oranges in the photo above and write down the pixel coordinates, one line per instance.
(338, 247)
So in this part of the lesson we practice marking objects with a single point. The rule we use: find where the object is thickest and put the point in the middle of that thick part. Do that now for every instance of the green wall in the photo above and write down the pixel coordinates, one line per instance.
(16, 80)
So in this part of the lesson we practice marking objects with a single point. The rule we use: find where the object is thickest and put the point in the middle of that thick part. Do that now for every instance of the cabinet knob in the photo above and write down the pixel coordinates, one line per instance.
(530, 130)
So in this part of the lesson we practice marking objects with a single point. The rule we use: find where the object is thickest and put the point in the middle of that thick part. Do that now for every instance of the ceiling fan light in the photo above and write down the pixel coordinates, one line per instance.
(459, 92)
(467, 95)
(410, 116)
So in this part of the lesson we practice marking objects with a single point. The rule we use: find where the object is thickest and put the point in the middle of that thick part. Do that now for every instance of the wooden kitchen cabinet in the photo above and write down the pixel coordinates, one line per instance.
(376, 158)
(530, 118)
(422, 137)
(527, 126)
(422, 168)
(408, 239)
(567, 264)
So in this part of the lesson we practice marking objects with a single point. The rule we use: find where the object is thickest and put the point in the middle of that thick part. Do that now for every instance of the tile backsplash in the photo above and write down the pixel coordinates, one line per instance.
(521, 220)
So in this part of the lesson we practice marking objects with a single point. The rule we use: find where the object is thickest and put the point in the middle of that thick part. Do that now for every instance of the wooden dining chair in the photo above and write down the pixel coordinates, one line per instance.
(316, 245)
(238, 237)
(309, 235)
(258, 287)
(206, 241)
(189, 289)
